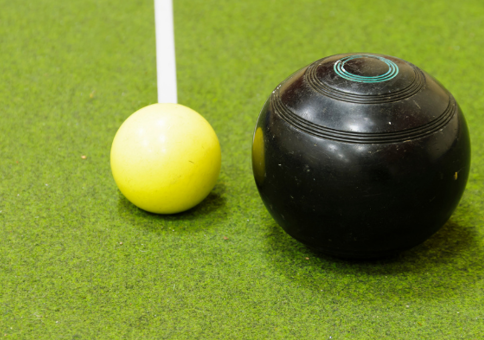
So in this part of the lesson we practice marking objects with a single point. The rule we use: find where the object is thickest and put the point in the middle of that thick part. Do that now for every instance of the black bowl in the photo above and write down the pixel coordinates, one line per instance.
(361, 155)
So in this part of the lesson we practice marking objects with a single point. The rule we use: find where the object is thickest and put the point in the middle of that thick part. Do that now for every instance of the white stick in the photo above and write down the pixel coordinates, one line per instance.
(165, 52)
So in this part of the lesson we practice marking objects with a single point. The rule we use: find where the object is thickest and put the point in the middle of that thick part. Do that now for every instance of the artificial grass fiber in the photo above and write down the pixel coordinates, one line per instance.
(78, 261)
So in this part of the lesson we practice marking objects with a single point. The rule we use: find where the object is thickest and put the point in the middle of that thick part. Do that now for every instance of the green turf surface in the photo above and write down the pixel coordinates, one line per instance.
(77, 261)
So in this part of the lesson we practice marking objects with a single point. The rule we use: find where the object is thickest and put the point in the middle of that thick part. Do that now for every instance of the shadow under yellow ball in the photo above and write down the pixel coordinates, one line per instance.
(165, 158)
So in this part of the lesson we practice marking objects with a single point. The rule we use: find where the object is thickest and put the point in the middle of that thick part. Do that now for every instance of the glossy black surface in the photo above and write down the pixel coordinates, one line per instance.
(361, 170)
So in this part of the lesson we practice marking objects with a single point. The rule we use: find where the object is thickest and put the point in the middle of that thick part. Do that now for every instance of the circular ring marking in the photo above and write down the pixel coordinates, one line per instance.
(339, 68)
(407, 135)
(417, 81)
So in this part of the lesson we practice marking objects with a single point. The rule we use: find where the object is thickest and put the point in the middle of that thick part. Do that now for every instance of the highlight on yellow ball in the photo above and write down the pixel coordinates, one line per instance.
(165, 158)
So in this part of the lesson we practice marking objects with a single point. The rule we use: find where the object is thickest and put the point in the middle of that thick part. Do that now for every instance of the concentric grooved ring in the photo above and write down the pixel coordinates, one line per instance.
(312, 79)
(362, 138)
(339, 68)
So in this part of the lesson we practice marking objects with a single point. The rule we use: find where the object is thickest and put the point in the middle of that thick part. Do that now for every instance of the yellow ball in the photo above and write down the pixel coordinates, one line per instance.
(165, 158)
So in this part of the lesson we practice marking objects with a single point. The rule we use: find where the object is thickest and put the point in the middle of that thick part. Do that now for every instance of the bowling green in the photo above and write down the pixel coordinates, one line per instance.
(78, 261)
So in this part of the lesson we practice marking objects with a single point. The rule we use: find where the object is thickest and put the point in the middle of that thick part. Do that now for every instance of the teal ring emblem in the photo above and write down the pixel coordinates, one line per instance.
(339, 68)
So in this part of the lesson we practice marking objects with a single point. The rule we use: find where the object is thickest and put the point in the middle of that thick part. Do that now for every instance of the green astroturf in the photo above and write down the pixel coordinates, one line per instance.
(78, 261)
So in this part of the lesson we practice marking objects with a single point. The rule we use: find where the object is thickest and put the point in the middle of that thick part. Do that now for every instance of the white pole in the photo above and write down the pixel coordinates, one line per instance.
(165, 52)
